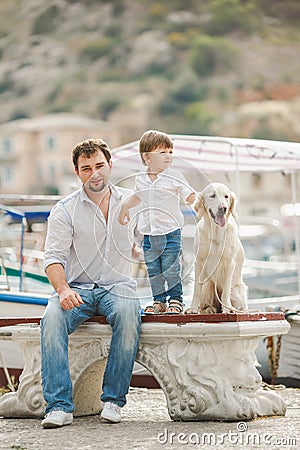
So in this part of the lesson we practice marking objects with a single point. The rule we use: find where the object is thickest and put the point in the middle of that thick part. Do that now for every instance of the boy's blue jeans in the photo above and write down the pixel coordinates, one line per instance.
(122, 311)
(162, 257)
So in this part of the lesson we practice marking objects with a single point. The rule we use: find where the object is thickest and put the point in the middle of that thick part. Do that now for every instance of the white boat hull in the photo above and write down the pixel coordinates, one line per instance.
(289, 362)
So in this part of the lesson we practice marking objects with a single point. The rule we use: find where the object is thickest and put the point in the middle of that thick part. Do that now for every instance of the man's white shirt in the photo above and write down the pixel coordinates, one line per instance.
(91, 250)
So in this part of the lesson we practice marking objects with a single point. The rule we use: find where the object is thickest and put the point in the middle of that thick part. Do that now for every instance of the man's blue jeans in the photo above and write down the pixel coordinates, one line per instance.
(122, 311)
(162, 257)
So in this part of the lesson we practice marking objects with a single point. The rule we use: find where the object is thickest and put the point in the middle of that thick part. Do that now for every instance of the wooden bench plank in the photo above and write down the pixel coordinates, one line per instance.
(164, 318)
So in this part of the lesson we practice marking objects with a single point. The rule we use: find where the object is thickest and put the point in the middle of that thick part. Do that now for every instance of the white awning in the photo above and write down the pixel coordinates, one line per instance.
(219, 154)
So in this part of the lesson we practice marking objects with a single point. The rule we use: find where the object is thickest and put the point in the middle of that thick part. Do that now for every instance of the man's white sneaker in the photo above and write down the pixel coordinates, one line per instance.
(56, 419)
(111, 412)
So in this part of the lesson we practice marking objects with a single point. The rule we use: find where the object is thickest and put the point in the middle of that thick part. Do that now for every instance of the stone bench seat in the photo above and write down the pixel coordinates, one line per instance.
(204, 363)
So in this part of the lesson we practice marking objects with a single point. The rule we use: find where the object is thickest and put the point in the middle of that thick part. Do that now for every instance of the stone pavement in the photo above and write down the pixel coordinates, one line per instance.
(146, 425)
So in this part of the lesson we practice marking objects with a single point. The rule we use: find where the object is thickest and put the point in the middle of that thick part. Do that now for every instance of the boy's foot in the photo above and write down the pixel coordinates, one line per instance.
(55, 419)
(111, 412)
(156, 308)
(175, 307)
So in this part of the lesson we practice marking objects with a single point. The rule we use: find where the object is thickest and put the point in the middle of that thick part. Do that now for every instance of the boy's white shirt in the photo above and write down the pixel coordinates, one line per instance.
(160, 201)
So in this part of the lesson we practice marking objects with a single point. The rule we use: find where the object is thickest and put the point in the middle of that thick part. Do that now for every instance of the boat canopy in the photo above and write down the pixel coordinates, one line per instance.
(31, 214)
(219, 154)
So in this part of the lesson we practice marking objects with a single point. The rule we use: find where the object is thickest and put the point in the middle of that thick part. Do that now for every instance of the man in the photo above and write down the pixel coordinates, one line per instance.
(87, 261)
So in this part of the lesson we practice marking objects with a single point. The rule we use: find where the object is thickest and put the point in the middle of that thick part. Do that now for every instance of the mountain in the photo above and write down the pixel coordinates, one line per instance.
(194, 66)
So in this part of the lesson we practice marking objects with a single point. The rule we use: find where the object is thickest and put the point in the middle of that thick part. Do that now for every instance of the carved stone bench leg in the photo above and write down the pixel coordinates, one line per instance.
(87, 365)
(28, 400)
(210, 380)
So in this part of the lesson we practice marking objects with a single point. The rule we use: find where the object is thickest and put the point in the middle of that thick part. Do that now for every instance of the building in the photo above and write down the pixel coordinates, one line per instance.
(35, 154)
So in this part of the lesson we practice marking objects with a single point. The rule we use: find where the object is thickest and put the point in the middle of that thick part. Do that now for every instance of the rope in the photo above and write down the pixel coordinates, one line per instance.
(273, 356)
(8, 378)
(217, 265)
(267, 386)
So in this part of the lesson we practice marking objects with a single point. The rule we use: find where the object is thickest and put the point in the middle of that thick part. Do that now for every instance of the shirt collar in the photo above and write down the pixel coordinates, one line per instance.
(116, 194)
(164, 172)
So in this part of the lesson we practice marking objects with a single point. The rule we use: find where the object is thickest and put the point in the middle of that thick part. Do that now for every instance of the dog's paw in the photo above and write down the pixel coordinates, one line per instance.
(227, 310)
(190, 311)
(209, 310)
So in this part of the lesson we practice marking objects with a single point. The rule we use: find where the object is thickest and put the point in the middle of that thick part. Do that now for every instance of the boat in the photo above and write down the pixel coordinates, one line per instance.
(24, 288)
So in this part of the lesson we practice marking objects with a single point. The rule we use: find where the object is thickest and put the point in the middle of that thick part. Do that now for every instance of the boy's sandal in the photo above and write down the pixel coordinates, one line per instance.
(156, 308)
(175, 307)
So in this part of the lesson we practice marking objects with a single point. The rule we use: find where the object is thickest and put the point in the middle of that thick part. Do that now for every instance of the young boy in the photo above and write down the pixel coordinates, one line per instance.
(159, 189)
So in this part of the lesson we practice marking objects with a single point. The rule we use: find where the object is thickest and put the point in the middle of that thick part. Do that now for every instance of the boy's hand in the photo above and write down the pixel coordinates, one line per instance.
(124, 216)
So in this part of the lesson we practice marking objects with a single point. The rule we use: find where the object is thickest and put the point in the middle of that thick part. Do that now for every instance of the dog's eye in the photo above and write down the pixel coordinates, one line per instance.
(212, 195)
(226, 196)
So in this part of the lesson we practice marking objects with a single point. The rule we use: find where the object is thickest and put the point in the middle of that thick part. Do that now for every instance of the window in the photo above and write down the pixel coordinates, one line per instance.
(50, 143)
(39, 173)
(7, 175)
(6, 146)
(52, 173)
(65, 168)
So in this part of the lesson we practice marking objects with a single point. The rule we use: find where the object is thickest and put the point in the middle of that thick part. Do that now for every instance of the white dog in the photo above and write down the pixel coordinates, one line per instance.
(219, 254)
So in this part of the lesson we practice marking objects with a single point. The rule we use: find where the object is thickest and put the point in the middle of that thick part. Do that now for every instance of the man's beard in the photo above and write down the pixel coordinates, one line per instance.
(100, 187)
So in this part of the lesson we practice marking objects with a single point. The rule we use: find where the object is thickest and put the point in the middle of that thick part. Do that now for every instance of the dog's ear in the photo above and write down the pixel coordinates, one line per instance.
(198, 205)
(232, 207)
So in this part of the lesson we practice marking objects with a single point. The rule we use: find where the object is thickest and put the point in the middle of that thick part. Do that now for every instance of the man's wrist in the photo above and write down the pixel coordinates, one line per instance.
(62, 289)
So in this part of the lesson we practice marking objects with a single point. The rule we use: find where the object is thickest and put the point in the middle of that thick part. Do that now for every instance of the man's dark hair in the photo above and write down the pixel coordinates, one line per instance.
(88, 148)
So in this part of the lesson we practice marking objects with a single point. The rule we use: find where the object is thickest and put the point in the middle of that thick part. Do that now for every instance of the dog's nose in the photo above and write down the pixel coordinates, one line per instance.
(222, 210)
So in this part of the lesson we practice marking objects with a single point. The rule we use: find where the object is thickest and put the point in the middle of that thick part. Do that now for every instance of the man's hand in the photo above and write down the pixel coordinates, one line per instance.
(69, 299)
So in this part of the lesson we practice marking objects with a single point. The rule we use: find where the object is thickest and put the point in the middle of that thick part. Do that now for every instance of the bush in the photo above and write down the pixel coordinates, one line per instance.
(200, 118)
(158, 11)
(107, 105)
(22, 90)
(265, 131)
(168, 106)
(288, 10)
(187, 89)
(18, 114)
(6, 84)
(46, 21)
(232, 15)
(95, 50)
(182, 40)
(54, 93)
(209, 53)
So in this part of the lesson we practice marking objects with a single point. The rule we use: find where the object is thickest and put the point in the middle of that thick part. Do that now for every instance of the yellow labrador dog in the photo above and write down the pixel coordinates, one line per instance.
(219, 254)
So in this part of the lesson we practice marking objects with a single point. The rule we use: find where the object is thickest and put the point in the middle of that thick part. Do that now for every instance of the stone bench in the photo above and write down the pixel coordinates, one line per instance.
(205, 365)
